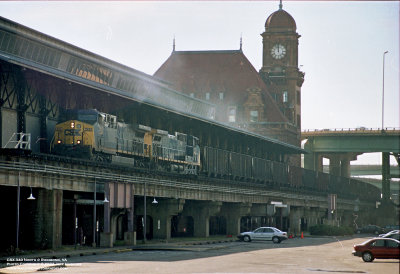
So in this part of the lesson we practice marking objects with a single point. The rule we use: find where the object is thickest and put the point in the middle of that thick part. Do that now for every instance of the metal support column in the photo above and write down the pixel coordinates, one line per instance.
(385, 176)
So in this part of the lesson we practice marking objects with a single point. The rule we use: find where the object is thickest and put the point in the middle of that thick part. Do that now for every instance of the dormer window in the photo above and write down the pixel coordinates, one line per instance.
(285, 97)
(253, 115)
(232, 114)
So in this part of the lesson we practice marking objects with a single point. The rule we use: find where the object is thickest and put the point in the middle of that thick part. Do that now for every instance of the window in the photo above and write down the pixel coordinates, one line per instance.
(379, 243)
(253, 115)
(207, 96)
(232, 114)
(391, 244)
(285, 97)
(192, 95)
(221, 96)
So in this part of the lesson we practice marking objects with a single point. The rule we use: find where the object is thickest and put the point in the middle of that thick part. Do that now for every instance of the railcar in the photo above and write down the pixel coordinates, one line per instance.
(99, 136)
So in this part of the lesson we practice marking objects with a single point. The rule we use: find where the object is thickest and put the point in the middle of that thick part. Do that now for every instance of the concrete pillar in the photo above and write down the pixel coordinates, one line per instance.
(233, 212)
(345, 168)
(162, 214)
(48, 226)
(201, 212)
(295, 220)
(312, 160)
(334, 165)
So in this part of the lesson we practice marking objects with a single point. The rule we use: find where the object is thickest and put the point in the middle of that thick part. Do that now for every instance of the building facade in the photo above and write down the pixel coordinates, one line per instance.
(267, 102)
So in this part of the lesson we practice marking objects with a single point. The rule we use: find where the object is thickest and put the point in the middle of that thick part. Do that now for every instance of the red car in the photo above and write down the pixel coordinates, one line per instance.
(378, 248)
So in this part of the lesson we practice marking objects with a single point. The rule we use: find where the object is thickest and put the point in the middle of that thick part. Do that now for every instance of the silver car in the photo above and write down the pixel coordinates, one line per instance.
(265, 234)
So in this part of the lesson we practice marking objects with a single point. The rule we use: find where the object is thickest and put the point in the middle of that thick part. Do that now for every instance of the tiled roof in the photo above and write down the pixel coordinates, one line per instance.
(227, 71)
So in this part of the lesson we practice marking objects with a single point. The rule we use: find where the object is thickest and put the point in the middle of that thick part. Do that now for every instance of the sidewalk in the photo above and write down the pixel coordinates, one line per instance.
(188, 244)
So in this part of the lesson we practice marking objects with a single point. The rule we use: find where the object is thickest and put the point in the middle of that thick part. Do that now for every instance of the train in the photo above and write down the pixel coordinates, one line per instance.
(99, 136)
(95, 135)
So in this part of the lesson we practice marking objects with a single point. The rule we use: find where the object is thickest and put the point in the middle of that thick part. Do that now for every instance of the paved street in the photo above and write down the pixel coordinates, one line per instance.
(308, 255)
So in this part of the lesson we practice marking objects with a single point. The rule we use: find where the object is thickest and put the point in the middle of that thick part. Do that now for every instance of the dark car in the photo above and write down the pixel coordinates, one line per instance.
(378, 248)
(374, 229)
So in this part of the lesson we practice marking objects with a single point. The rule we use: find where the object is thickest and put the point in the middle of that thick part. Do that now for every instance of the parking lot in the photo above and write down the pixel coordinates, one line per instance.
(308, 255)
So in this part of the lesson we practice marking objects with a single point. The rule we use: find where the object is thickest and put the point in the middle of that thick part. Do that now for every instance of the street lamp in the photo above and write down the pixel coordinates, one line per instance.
(383, 88)
(144, 214)
(94, 213)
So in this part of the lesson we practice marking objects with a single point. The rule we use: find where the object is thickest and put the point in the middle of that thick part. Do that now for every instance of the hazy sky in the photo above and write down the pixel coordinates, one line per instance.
(340, 49)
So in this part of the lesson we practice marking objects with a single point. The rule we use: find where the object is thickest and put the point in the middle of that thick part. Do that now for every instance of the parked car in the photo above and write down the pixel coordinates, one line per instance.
(394, 234)
(264, 233)
(374, 229)
(389, 228)
(378, 248)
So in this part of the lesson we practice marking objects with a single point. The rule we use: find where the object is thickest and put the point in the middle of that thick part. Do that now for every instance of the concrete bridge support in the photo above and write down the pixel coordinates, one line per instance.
(162, 215)
(313, 161)
(48, 225)
(339, 163)
(233, 212)
(201, 211)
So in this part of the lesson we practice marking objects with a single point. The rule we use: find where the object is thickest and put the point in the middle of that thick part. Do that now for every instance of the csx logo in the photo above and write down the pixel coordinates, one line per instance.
(72, 132)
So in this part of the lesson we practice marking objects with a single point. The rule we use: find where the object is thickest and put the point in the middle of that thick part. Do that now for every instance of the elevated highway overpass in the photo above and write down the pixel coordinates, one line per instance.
(341, 146)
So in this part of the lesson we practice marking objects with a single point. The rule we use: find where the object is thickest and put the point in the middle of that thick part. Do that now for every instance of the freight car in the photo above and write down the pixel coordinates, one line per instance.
(99, 136)
(231, 165)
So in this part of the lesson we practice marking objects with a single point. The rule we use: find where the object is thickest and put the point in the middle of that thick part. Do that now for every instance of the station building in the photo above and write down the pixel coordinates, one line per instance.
(267, 102)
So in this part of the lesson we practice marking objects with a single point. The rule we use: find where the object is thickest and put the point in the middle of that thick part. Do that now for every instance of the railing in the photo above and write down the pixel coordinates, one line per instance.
(20, 140)
(351, 130)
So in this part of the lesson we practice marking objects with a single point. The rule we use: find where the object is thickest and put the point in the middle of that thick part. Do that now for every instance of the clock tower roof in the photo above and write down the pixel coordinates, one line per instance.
(280, 20)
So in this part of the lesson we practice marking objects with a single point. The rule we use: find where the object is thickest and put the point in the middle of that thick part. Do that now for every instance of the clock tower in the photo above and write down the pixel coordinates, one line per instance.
(280, 69)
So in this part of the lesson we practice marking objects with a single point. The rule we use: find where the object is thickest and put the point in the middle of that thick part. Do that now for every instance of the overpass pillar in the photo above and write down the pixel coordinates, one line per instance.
(162, 214)
(233, 212)
(339, 163)
(48, 226)
(385, 176)
(335, 166)
(201, 212)
(312, 160)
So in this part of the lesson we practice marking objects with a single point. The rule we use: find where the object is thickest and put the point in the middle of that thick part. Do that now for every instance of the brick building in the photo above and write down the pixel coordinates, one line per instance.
(267, 102)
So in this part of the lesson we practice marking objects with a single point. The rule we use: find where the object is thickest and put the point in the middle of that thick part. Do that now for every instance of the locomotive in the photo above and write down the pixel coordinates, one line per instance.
(95, 135)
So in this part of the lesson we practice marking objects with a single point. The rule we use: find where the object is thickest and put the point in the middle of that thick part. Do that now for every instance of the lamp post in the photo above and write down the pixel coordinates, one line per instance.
(94, 213)
(383, 88)
(144, 214)
(18, 202)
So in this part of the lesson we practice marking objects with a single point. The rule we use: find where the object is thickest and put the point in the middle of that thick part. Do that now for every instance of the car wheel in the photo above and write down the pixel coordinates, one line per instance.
(276, 240)
(246, 238)
(367, 257)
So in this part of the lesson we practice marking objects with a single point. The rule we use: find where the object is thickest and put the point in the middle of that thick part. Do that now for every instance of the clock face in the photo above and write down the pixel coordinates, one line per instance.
(278, 51)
